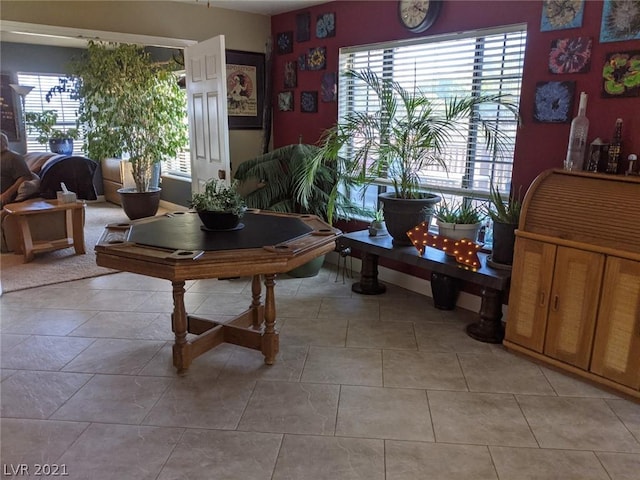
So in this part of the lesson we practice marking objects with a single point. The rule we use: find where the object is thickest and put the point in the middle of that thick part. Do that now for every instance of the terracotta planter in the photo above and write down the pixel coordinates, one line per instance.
(402, 214)
(139, 204)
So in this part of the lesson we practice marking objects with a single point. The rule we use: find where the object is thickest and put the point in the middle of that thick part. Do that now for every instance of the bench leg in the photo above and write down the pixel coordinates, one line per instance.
(489, 328)
(368, 284)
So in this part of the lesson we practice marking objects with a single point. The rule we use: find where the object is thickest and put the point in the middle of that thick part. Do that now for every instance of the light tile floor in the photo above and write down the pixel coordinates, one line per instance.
(365, 387)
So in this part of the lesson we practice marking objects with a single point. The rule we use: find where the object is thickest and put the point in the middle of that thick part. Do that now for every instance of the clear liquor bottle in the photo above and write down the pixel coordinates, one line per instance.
(578, 137)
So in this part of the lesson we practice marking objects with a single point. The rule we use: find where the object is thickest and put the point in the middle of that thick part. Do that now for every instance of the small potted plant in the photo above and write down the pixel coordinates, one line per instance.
(505, 213)
(219, 206)
(377, 226)
(458, 221)
(59, 141)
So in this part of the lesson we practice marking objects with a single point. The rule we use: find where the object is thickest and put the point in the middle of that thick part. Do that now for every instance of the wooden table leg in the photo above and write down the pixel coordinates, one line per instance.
(77, 229)
(270, 341)
(25, 236)
(489, 328)
(181, 354)
(256, 292)
(368, 284)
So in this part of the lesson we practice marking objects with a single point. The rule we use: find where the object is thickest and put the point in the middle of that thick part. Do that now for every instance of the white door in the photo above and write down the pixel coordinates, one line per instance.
(207, 111)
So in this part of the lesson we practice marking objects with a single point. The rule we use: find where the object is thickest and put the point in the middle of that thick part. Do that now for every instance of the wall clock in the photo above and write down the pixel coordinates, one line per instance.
(418, 15)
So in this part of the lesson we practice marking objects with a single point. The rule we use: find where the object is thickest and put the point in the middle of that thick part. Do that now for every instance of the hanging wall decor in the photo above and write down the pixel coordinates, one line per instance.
(290, 74)
(245, 88)
(570, 55)
(553, 102)
(328, 87)
(302, 61)
(621, 75)
(309, 102)
(317, 58)
(620, 20)
(285, 101)
(326, 25)
(303, 27)
(561, 14)
(284, 42)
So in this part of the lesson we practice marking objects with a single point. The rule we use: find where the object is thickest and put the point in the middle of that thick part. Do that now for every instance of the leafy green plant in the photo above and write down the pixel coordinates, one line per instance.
(129, 104)
(460, 213)
(378, 215)
(43, 124)
(219, 197)
(407, 133)
(504, 209)
(284, 184)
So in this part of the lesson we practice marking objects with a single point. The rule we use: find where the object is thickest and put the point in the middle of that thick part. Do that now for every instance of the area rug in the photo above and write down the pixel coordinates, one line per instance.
(62, 265)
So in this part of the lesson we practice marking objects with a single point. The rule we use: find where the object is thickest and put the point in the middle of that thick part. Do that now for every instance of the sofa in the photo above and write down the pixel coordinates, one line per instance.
(48, 171)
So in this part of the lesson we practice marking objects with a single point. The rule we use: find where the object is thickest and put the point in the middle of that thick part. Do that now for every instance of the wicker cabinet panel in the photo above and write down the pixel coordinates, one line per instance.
(573, 306)
(530, 292)
(616, 351)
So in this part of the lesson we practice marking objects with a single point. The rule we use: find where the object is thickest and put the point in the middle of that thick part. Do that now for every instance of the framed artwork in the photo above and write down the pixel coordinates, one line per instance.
(285, 101)
(620, 21)
(309, 102)
(553, 102)
(284, 42)
(328, 87)
(290, 74)
(621, 75)
(326, 25)
(303, 27)
(570, 55)
(561, 14)
(8, 110)
(317, 58)
(302, 61)
(245, 89)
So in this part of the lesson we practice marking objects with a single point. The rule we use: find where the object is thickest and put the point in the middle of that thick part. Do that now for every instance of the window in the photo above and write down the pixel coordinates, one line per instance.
(460, 64)
(35, 101)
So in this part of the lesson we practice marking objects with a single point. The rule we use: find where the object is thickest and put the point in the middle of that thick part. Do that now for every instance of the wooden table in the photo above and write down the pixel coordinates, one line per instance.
(494, 282)
(175, 247)
(74, 213)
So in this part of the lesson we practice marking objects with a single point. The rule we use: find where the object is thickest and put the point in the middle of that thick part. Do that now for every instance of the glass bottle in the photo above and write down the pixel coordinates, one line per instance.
(578, 137)
(614, 148)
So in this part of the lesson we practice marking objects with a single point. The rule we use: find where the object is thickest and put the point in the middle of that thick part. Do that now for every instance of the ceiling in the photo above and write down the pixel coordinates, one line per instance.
(43, 35)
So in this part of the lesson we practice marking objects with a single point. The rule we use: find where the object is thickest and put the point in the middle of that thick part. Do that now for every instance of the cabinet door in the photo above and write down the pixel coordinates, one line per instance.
(616, 352)
(573, 306)
(531, 277)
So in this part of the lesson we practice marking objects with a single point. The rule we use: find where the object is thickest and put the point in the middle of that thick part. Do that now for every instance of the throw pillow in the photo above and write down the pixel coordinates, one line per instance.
(28, 188)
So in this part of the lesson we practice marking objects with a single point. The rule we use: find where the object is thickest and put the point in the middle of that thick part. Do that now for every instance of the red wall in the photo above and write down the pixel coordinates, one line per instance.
(539, 145)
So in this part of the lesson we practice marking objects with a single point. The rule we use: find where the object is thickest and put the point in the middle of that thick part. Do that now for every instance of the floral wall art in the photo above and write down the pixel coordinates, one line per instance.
(621, 75)
(620, 20)
(553, 102)
(561, 14)
(570, 55)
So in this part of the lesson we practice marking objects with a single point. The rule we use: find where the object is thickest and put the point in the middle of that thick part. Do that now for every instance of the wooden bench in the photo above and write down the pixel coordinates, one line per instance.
(74, 215)
(494, 283)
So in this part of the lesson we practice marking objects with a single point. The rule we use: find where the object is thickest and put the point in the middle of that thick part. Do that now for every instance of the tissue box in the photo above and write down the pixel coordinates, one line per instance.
(66, 197)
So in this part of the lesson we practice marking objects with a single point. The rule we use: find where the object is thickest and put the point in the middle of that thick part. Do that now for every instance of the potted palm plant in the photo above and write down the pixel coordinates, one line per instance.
(505, 214)
(407, 134)
(458, 220)
(43, 123)
(130, 105)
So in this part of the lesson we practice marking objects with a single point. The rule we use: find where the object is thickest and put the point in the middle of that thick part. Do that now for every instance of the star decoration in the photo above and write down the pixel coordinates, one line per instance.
(465, 251)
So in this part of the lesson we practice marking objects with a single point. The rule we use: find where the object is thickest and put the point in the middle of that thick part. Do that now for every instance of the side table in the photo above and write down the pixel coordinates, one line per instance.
(74, 220)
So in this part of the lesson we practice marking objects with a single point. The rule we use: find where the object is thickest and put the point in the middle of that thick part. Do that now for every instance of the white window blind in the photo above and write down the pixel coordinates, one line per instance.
(35, 101)
(462, 64)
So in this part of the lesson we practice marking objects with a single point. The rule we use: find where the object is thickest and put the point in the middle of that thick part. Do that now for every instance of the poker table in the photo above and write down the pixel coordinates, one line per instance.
(177, 247)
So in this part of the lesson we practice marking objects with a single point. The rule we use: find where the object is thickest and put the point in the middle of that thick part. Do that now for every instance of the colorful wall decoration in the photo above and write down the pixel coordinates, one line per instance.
(570, 55)
(620, 20)
(561, 14)
(554, 102)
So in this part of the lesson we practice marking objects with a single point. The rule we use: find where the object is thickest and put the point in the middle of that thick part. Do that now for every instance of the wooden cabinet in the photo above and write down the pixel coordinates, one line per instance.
(575, 285)
(616, 351)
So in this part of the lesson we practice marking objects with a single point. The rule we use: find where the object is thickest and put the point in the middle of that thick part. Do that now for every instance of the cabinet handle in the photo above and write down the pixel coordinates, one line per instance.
(542, 299)
(555, 303)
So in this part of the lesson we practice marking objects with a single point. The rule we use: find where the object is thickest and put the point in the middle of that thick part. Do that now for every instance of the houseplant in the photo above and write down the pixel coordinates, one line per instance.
(377, 225)
(219, 206)
(281, 181)
(43, 123)
(458, 220)
(130, 105)
(505, 214)
(397, 142)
